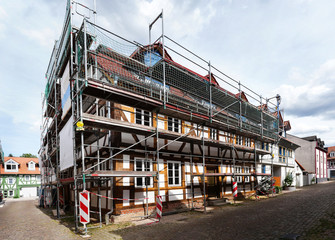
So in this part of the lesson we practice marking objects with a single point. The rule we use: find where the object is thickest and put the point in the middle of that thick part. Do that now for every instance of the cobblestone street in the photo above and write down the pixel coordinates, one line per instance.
(296, 212)
(24, 220)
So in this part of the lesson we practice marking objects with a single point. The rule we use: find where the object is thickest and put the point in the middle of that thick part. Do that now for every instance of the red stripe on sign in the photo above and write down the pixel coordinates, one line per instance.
(159, 207)
(85, 195)
(82, 220)
(84, 208)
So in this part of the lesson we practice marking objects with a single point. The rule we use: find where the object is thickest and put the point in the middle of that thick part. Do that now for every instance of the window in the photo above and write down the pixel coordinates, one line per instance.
(280, 151)
(332, 154)
(38, 178)
(174, 174)
(10, 181)
(237, 171)
(31, 166)
(263, 168)
(143, 117)
(174, 124)
(143, 165)
(27, 178)
(11, 193)
(246, 178)
(213, 134)
(239, 140)
(11, 166)
(5, 194)
(247, 142)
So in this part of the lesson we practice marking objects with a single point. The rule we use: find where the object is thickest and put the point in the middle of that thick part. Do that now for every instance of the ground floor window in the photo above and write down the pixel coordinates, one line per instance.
(5, 194)
(237, 171)
(11, 193)
(174, 170)
(246, 178)
(143, 165)
(263, 168)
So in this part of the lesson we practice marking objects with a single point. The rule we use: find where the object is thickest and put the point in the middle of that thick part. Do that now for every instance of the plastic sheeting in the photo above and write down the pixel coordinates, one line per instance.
(65, 91)
(66, 145)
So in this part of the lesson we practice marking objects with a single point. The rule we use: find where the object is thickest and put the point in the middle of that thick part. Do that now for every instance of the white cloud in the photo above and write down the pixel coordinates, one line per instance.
(310, 94)
(45, 36)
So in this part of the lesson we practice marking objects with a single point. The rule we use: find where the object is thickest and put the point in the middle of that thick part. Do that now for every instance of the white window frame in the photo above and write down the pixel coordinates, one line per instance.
(10, 181)
(238, 169)
(10, 193)
(239, 140)
(142, 160)
(11, 163)
(173, 122)
(213, 133)
(246, 178)
(143, 114)
(31, 166)
(27, 178)
(173, 184)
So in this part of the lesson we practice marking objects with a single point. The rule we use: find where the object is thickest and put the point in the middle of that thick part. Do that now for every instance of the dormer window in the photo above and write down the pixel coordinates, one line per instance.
(31, 166)
(11, 166)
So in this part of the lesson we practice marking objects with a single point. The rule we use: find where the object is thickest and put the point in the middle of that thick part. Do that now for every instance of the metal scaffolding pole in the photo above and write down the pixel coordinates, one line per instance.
(157, 155)
(203, 167)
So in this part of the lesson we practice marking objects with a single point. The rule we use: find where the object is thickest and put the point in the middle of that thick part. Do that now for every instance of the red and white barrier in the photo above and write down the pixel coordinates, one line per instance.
(84, 207)
(159, 207)
(235, 189)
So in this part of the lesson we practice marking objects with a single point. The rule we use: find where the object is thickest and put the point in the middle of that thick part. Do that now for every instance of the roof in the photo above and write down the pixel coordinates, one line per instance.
(243, 96)
(329, 150)
(287, 143)
(23, 166)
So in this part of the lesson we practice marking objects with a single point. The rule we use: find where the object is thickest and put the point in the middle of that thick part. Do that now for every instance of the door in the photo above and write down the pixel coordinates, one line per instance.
(213, 187)
(28, 192)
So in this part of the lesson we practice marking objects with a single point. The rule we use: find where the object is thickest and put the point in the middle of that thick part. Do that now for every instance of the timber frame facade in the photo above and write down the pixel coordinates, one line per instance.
(127, 123)
(20, 177)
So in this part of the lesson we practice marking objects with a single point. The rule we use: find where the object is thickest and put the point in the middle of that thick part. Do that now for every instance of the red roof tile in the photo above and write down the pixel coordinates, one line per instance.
(23, 166)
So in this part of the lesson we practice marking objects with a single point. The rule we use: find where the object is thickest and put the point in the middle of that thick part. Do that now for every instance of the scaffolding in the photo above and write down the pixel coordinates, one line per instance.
(94, 73)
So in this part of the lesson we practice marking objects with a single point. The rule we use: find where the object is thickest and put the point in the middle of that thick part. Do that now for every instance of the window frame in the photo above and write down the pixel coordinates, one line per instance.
(173, 122)
(11, 163)
(142, 160)
(247, 170)
(213, 133)
(27, 178)
(143, 114)
(31, 163)
(238, 169)
(173, 184)
(10, 181)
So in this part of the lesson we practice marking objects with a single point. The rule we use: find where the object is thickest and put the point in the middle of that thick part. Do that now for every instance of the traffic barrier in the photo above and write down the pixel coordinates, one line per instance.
(159, 207)
(235, 189)
(84, 207)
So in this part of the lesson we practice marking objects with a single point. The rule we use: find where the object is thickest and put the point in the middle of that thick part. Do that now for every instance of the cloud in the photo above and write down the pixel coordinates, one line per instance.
(311, 94)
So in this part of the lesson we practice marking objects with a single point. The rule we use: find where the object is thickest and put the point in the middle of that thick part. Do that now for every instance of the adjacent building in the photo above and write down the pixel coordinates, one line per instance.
(312, 155)
(281, 161)
(20, 177)
(331, 162)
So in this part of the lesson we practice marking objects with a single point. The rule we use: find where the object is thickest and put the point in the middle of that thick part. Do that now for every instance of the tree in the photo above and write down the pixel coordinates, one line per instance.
(10, 155)
(28, 155)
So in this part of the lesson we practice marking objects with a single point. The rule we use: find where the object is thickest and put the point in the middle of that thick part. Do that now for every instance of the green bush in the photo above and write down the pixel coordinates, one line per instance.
(288, 180)
(278, 189)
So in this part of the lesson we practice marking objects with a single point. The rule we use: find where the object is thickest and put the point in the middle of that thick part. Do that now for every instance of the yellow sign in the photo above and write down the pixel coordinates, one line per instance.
(80, 126)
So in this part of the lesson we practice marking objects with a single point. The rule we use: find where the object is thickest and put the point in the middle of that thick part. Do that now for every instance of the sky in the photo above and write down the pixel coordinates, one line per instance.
(272, 47)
